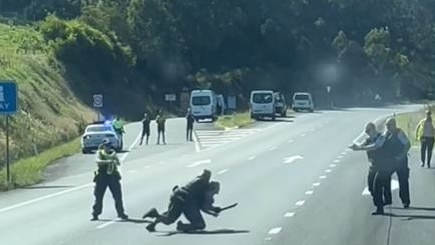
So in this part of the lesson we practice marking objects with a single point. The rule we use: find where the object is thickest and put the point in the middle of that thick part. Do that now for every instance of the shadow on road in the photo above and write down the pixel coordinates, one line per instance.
(410, 216)
(130, 220)
(212, 232)
(416, 208)
(48, 187)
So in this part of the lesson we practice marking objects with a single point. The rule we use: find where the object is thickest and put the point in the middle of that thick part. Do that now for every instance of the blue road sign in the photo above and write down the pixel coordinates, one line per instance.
(8, 97)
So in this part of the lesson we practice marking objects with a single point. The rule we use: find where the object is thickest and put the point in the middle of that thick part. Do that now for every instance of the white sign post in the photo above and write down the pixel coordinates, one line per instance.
(98, 103)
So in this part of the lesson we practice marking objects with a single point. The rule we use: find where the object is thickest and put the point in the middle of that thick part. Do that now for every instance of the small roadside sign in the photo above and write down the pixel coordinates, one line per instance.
(170, 97)
(98, 100)
(8, 97)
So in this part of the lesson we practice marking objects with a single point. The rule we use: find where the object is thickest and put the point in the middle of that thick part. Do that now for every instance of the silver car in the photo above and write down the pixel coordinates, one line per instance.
(94, 135)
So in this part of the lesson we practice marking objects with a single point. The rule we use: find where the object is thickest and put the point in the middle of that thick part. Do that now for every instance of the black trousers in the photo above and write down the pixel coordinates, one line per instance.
(381, 183)
(161, 131)
(381, 188)
(145, 132)
(102, 181)
(184, 205)
(189, 132)
(426, 149)
(403, 178)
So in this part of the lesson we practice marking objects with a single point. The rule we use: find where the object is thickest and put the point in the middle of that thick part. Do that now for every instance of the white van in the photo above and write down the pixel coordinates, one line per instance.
(203, 104)
(262, 104)
(303, 101)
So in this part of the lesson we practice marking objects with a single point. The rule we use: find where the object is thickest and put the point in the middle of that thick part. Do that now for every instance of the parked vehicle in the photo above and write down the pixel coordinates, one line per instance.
(203, 104)
(280, 104)
(303, 101)
(262, 104)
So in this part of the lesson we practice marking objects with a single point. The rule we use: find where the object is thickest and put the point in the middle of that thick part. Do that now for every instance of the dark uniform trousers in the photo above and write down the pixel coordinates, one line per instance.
(379, 181)
(183, 203)
(189, 131)
(402, 172)
(102, 181)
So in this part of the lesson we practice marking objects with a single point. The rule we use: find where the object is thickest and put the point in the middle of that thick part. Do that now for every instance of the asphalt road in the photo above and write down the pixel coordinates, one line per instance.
(294, 179)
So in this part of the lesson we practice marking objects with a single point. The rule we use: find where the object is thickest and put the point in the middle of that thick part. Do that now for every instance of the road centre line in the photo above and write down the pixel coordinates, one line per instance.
(316, 184)
(322, 177)
(300, 203)
(332, 165)
(336, 161)
(252, 158)
(222, 172)
(198, 163)
(288, 215)
(106, 224)
(309, 192)
(22, 204)
(328, 171)
(275, 231)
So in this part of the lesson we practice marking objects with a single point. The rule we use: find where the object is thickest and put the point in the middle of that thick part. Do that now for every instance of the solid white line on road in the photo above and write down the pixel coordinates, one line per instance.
(223, 171)
(336, 161)
(332, 165)
(106, 224)
(198, 163)
(316, 184)
(300, 203)
(252, 158)
(131, 147)
(272, 149)
(328, 171)
(275, 231)
(394, 186)
(292, 158)
(322, 177)
(288, 215)
(197, 146)
(44, 197)
(309, 192)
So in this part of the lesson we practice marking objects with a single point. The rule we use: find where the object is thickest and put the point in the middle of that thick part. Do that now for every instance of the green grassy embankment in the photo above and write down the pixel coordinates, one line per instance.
(49, 113)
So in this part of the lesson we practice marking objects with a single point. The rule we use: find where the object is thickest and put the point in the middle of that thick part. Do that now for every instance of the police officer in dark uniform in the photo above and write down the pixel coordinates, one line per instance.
(397, 145)
(190, 119)
(107, 175)
(161, 121)
(145, 128)
(188, 200)
(379, 174)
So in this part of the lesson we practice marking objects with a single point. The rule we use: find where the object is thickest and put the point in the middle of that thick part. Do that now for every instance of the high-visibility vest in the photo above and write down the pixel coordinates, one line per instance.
(107, 162)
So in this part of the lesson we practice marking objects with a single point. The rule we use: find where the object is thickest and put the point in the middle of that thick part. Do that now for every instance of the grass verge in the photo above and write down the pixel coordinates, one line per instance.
(238, 120)
(29, 171)
(408, 122)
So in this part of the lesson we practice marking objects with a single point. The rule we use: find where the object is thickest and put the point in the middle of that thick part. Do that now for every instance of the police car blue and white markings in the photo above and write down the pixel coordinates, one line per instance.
(96, 132)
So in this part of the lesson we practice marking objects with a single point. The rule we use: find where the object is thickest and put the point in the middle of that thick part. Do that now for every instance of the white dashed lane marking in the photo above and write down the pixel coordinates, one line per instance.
(300, 203)
(198, 163)
(288, 215)
(275, 231)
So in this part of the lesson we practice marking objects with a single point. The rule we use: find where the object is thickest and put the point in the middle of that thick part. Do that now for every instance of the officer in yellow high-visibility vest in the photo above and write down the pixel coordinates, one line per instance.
(425, 133)
(107, 175)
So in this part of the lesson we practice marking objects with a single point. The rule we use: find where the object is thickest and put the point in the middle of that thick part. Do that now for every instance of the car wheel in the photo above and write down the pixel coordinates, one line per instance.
(85, 151)
(311, 110)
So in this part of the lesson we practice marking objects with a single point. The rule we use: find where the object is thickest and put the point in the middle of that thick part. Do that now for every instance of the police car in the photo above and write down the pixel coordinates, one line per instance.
(95, 133)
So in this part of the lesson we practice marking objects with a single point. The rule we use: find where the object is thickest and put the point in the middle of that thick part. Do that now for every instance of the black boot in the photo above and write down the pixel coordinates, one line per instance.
(94, 217)
(151, 227)
(379, 211)
(123, 216)
(151, 214)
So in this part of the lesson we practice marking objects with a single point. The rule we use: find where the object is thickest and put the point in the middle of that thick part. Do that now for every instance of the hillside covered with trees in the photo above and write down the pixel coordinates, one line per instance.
(135, 51)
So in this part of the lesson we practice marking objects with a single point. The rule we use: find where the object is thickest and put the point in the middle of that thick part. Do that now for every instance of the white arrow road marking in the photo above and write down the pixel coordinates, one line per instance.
(292, 159)
(394, 186)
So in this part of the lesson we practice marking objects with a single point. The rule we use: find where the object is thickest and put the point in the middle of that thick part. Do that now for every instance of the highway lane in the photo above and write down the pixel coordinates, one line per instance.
(285, 177)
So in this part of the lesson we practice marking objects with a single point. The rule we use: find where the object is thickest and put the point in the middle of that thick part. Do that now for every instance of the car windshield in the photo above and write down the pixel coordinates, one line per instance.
(99, 128)
(262, 98)
(302, 97)
(201, 100)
